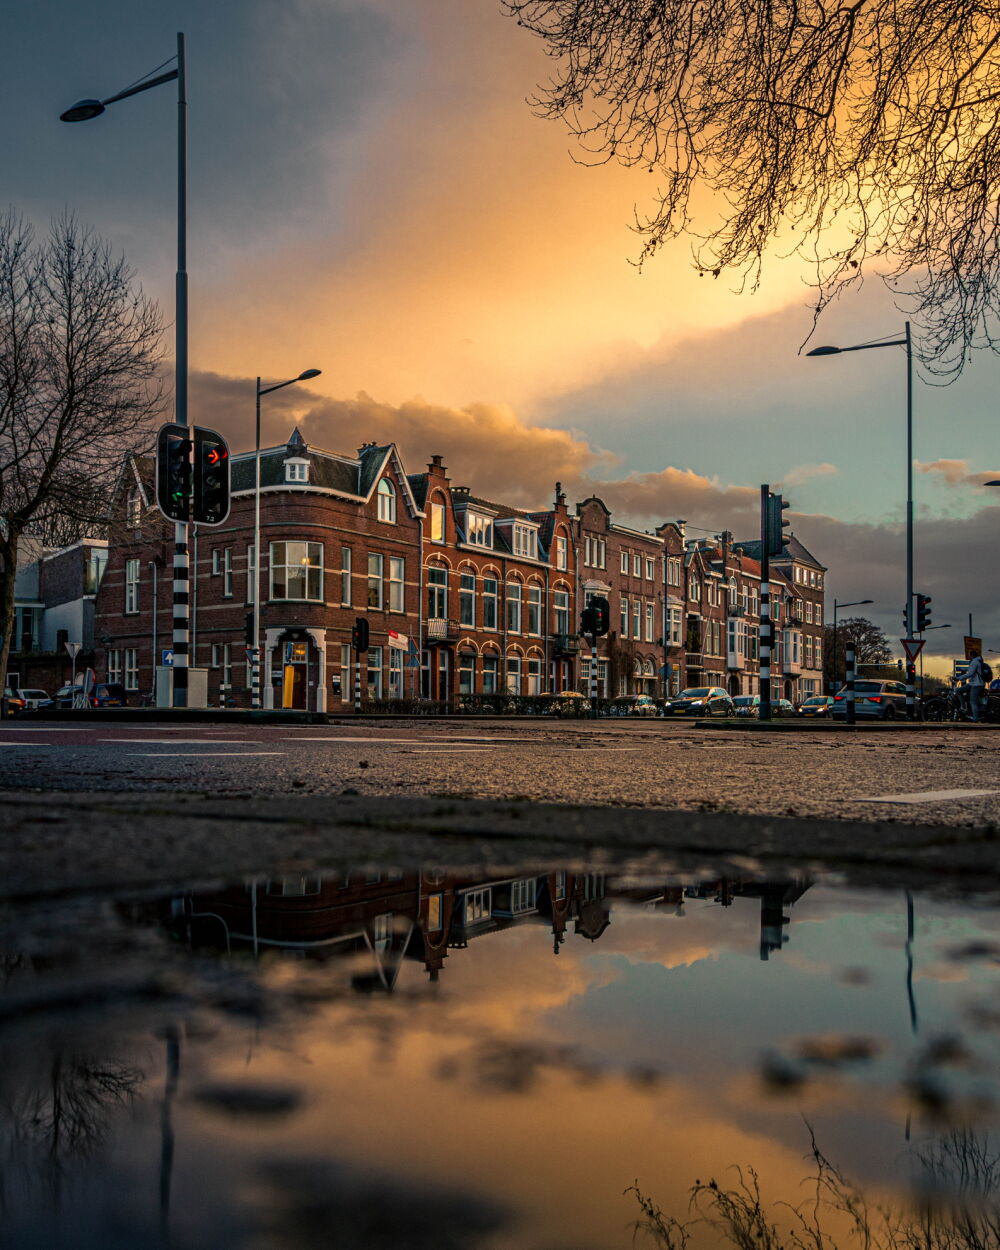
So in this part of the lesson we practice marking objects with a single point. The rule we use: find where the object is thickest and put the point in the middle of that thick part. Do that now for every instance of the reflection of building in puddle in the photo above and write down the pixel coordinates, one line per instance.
(376, 920)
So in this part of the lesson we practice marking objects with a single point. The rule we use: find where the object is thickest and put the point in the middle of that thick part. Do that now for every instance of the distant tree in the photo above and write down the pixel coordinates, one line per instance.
(860, 135)
(871, 647)
(79, 384)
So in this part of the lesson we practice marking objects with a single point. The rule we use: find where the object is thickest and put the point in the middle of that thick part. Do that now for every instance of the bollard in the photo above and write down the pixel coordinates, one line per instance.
(850, 684)
(357, 684)
(593, 678)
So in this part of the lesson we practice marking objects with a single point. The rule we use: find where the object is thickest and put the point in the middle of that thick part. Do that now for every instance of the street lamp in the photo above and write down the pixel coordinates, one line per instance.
(855, 603)
(86, 110)
(255, 662)
(907, 342)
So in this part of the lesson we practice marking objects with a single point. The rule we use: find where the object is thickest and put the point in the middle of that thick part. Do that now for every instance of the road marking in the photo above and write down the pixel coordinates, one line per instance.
(26, 744)
(928, 796)
(45, 729)
(174, 742)
(404, 741)
(199, 755)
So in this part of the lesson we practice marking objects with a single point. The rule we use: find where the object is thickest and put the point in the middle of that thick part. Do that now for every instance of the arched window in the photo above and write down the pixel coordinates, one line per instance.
(386, 501)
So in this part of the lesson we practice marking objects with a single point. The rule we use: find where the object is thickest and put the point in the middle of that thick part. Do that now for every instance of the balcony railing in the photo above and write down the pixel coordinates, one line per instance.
(565, 644)
(735, 661)
(443, 631)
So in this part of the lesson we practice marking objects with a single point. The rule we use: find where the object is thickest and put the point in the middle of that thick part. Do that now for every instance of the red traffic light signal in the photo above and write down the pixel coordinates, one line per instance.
(211, 477)
(359, 635)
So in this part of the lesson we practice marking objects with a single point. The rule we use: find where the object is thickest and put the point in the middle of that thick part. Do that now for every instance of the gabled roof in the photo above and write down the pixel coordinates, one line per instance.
(793, 550)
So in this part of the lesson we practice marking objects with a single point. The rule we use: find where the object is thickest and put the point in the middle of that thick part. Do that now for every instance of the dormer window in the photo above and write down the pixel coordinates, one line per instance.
(386, 501)
(296, 470)
(478, 529)
(133, 509)
(525, 541)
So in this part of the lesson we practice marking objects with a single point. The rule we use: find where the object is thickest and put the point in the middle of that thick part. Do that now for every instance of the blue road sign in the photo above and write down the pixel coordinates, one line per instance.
(167, 658)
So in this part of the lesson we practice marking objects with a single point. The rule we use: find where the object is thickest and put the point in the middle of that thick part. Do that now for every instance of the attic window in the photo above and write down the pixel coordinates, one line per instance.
(133, 509)
(386, 501)
(296, 470)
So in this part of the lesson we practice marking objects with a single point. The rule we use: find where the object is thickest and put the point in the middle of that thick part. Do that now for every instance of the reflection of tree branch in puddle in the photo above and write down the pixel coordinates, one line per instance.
(957, 1208)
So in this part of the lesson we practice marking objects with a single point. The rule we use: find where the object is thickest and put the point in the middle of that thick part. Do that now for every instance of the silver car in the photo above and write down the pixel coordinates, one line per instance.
(879, 700)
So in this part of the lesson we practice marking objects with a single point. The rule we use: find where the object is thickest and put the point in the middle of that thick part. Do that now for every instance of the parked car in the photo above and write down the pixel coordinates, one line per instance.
(634, 705)
(13, 701)
(782, 707)
(882, 700)
(103, 694)
(701, 701)
(747, 704)
(569, 703)
(816, 705)
(34, 699)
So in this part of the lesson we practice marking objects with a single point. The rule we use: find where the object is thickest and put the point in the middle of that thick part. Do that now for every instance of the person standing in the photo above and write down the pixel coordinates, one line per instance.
(976, 676)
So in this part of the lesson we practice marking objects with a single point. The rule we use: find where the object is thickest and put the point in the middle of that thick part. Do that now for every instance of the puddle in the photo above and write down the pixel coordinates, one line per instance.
(435, 1059)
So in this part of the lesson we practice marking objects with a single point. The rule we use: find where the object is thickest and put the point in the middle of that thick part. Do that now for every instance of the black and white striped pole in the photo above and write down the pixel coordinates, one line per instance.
(765, 610)
(849, 676)
(357, 681)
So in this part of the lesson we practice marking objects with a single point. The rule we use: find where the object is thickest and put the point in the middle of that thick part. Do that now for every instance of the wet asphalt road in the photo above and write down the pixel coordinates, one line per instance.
(808, 773)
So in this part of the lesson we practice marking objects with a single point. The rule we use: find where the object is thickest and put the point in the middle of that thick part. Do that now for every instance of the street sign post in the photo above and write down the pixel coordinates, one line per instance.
(167, 658)
(972, 644)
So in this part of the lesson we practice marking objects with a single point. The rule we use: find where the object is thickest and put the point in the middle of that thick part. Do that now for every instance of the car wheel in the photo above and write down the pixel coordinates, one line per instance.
(890, 712)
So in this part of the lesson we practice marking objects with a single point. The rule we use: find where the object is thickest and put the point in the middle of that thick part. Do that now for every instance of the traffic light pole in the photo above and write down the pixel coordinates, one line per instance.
(765, 611)
(182, 576)
(911, 706)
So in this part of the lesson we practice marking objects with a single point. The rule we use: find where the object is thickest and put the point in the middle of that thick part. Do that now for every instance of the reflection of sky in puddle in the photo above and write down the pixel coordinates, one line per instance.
(509, 1101)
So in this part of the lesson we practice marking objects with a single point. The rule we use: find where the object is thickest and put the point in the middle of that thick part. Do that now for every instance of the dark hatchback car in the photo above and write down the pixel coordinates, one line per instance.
(103, 694)
(882, 700)
(700, 701)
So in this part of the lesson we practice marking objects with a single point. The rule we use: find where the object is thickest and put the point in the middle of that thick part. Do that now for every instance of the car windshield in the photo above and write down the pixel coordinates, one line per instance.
(816, 701)
(744, 700)
(698, 692)
(867, 687)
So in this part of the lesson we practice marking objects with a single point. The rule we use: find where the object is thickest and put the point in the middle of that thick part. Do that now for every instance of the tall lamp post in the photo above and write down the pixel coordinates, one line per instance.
(855, 603)
(85, 110)
(907, 342)
(255, 660)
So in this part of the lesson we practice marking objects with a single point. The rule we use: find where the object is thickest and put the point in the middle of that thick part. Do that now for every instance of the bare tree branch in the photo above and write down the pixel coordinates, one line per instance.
(861, 136)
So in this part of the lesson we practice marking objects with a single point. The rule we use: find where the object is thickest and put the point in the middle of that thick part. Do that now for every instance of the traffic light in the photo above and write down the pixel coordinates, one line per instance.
(923, 612)
(906, 623)
(211, 477)
(602, 615)
(775, 525)
(173, 472)
(359, 635)
(588, 621)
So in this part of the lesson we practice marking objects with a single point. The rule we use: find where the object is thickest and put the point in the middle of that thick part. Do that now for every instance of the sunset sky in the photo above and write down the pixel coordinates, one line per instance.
(370, 195)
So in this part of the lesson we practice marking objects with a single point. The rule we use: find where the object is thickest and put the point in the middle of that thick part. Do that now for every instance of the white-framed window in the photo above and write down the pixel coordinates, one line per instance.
(561, 552)
(133, 509)
(560, 604)
(297, 571)
(522, 895)
(374, 672)
(375, 591)
(637, 619)
(694, 590)
(676, 625)
(131, 585)
(131, 668)
(534, 677)
(227, 664)
(437, 522)
(479, 529)
(514, 674)
(491, 599)
(386, 501)
(397, 584)
(251, 574)
(623, 623)
(673, 571)
(650, 609)
(514, 597)
(466, 672)
(534, 609)
(624, 562)
(467, 601)
(227, 572)
(395, 673)
(115, 666)
(637, 566)
(478, 905)
(491, 670)
(650, 569)
(595, 553)
(437, 593)
(525, 541)
(345, 575)
(296, 470)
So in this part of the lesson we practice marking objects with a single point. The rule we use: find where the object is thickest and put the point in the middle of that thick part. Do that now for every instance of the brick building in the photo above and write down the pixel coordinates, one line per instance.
(464, 595)
(499, 593)
(340, 537)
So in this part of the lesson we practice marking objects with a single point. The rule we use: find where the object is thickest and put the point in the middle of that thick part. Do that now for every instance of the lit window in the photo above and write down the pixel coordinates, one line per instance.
(296, 470)
(386, 501)
(437, 522)
(297, 571)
